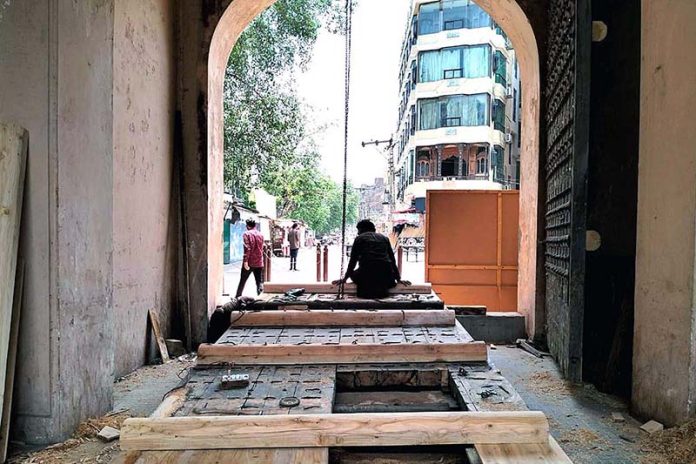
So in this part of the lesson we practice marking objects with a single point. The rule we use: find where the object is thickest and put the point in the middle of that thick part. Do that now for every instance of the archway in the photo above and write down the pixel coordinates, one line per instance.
(511, 18)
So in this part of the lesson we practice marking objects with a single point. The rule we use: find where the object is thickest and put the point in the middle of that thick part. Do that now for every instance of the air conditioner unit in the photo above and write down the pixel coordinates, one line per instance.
(508, 137)
(509, 91)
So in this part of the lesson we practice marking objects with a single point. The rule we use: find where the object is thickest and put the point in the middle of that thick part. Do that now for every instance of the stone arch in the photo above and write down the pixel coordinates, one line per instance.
(512, 19)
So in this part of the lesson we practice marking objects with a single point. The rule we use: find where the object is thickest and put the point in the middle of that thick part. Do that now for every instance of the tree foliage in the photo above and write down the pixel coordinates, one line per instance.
(267, 143)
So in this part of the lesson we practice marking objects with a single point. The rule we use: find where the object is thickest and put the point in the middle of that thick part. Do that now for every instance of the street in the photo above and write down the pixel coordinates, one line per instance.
(307, 270)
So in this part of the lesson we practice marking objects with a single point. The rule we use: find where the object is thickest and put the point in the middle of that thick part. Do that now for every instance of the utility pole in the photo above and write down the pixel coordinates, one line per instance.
(390, 167)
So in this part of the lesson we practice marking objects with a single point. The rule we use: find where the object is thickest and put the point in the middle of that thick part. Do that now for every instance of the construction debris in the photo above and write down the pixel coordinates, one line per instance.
(652, 427)
(108, 434)
(617, 417)
(175, 347)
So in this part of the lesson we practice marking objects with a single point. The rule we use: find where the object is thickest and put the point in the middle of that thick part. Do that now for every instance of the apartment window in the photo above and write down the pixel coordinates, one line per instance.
(411, 166)
(482, 165)
(500, 67)
(450, 15)
(454, 110)
(499, 115)
(423, 166)
(449, 167)
(454, 62)
(429, 18)
(498, 163)
(414, 73)
(413, 120)
(514, 105)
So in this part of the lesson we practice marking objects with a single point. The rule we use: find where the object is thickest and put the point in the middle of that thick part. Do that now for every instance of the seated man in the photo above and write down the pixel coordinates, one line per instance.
(378, 271)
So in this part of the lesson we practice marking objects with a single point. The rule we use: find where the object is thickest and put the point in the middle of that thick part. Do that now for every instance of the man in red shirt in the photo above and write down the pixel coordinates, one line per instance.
(253, 257)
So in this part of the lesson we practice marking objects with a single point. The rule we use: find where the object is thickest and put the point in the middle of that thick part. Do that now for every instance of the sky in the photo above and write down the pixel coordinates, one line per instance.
(378, 29)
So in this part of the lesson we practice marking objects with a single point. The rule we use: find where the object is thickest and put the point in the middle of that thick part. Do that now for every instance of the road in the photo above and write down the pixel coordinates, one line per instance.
(307, 270)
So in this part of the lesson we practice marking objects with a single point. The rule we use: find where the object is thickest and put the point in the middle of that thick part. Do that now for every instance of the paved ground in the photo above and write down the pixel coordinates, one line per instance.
(307, 270)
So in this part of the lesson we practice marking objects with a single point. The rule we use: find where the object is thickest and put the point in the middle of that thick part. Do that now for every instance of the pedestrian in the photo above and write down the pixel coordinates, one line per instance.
(253, 257)
(378, 271)
(294, 240)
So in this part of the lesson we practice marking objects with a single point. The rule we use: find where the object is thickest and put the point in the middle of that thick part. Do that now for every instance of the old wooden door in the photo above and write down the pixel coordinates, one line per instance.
(566, 95)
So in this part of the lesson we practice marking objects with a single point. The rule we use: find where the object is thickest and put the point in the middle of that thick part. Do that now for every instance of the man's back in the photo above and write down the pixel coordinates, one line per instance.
(371, 246)
(294, 239)
(253, 247)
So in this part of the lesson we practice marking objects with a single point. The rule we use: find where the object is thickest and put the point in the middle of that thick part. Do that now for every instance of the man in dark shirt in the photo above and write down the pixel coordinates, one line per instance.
(378, 271)
(253, 257)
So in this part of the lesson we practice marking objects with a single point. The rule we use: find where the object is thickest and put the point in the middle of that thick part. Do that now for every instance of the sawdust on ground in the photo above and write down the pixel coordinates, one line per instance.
(671, 446)
(83, 447)
(545, 382)
(582, 437)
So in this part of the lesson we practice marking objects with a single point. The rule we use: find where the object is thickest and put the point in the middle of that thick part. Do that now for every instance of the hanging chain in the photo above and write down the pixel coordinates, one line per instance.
(348, 32)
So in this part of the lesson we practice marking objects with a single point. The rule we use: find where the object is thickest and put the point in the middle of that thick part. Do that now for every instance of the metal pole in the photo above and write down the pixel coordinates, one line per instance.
(326, 263)
(400, 257)
(318, 262)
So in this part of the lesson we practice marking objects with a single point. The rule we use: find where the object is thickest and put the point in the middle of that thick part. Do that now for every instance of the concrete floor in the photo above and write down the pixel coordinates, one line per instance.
(579, 415)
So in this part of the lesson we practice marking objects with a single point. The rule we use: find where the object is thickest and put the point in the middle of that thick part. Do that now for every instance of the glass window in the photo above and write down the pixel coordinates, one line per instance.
(454, 110)
(482, 166)
(497, 161)
(429, 18)
(429, 114)
(476, 61)
(500, 67)
(454, 62)
(454, 14)
(499, 115)
(476, 17)
(430, 66)
(423, 168)
(451, 62)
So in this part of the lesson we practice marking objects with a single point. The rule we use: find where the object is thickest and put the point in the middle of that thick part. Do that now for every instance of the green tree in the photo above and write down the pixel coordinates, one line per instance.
(264, 119)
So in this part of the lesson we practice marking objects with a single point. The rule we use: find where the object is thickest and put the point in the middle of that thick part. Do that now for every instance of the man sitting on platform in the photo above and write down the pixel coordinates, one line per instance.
(378, 271)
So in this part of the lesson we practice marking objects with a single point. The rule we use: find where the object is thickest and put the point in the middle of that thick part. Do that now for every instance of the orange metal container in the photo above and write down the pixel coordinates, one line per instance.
(471, 245)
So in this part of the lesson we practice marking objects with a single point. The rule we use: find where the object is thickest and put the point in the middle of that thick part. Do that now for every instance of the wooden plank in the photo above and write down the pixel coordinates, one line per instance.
(327, 430)
(336, 354)
(538, 453)
(235, 456)
(154, 320)
(11, 363)
(343, 318)
(13, 160)
(171, 403)
(329, 288)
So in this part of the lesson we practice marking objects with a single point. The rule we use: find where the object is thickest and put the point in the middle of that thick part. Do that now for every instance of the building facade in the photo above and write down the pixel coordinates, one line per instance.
(459, 118)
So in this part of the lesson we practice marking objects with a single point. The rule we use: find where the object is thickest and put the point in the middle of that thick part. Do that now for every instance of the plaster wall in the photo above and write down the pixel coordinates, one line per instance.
(664, 372)
(57, 73)
(144, 208)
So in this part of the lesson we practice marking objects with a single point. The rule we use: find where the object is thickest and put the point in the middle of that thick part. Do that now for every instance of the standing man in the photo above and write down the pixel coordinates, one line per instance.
(253, 257)
(378, 271)
(294, 240)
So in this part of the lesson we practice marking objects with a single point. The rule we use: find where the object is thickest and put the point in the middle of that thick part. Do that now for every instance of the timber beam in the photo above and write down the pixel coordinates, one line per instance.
(331, 430)
(342, 354)
(349, 288)
(343, 318)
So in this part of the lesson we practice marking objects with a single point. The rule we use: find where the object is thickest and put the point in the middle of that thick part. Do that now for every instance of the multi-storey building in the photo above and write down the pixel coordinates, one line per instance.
(458, 124)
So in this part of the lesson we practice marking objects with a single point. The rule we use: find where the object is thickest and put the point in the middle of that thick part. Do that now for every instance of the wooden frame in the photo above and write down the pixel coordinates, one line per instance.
(339, 354)
(349, 288)
(330, 430)
(343, 318)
